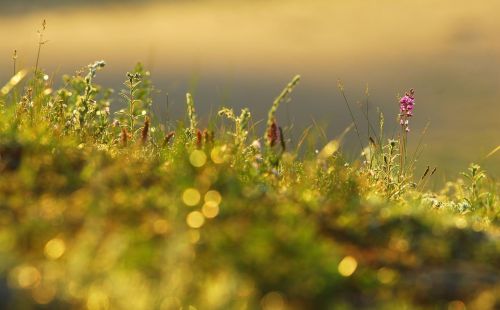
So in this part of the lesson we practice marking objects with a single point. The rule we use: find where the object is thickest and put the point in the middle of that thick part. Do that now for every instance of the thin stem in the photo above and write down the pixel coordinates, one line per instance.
(167, 116)
(40, 43)
(424, 184)
(341, 88)
(38, 54)
(131, 106)
(370, 126)
(14, 62)
(401, 150)
(419, 145)
(367, 113)
(14, 59)
(289, 121)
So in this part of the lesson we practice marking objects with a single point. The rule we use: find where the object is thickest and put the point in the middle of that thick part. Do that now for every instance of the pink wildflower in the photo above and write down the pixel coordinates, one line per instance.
(406, 104)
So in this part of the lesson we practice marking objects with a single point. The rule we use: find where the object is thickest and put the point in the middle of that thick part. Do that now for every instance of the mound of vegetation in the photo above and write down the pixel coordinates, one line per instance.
(115, 211)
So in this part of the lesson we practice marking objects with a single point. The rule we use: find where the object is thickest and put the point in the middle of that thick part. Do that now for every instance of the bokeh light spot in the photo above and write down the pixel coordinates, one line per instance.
(28, 276)
(55, 248)
(461, 223)
(386, 275)
(160, 226)
(97, 300)
(195, 219)
(347, 266)
(217, 155)
(191, 197)
(198, 158)
(213, 197)
(210, 210)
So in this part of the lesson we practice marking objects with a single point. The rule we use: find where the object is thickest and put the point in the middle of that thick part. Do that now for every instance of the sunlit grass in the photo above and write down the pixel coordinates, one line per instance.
(105, 210)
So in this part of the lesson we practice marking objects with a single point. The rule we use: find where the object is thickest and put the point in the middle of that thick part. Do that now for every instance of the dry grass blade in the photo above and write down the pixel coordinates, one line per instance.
(331, 147)
(493, 152)
(305, 133)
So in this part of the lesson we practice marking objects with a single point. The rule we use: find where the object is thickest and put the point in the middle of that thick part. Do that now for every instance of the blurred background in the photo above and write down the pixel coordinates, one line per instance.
(242, 53)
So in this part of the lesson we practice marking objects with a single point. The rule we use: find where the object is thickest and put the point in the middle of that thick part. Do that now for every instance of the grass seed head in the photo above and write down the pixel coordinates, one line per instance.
(124, 136)
(145, 131)
(199, 138)
(168, 137)
(273, 133)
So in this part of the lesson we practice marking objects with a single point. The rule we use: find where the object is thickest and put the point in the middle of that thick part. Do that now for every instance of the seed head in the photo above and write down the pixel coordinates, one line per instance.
(199, 138)
(168, 137)
(208, 136)
(145, 131)
(273, 133)
(124, 136)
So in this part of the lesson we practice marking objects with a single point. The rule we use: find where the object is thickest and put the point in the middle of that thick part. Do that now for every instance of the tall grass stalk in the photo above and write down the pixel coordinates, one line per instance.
(41, 42)
(14, 62)
(276, 103)
(340, 86)
(193, 122)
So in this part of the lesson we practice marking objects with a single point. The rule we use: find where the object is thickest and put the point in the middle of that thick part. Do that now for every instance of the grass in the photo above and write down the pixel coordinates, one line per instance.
(106, 210)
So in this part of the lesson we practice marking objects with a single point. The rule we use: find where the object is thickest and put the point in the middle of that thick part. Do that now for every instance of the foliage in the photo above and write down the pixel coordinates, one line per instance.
(120, 214)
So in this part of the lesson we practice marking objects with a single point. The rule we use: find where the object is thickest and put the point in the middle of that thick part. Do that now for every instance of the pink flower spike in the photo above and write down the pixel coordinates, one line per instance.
(407, 100)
